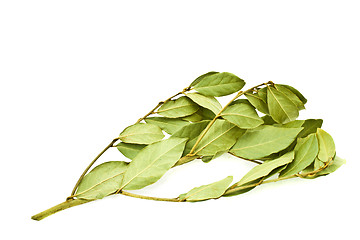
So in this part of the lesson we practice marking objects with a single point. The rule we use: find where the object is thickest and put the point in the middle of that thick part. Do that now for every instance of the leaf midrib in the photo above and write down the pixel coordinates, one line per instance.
(151, 164)
(256, 145)
(279, 103)
(214, 139)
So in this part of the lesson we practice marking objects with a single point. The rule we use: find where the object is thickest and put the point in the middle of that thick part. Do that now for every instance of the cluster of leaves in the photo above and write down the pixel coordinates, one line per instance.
(261, 127)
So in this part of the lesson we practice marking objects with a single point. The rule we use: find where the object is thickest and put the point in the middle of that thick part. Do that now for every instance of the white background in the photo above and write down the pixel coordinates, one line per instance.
(75, 73)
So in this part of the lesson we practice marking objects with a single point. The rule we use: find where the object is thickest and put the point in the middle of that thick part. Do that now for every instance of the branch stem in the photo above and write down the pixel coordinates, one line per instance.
(90, 165)
(62, 206)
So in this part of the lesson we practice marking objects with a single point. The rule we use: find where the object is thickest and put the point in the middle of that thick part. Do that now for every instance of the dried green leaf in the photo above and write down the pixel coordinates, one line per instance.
(221, 136)
(206, 113)
(141, 133)
(219, 84)
(296, 92)
(102, 180)
(192, 132)
(306, 151)
(326, 146)
(292, 96)
(207, 159)
(198, 79)
(266, 168)
(337, 162)
(318, 164)
(281, 108)
(195, 117)
(334, 165)
(244, 189)
(293, 124)
(205, 192)
(169, 125)
(181, 107)
(263, 141)
(205, 101)
(152, 162)
(268, 120)
(242, 115)
(130, 150)
(258, 102)
(310, 126)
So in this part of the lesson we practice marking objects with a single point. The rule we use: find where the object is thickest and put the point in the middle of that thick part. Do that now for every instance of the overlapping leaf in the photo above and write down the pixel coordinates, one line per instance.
(259, 100)
(220, 137)
(181, 107)
(281, 108)
(219, 84)
(130, 150)
(310, 126)
(205, 101)
(141, 133)
(292, 96)
(263, 141)
(266, 168)
(306, 151)
(242, 115)
(191, 132)
(102, 180)
(169, 125)
(296, 92)
(326, 146)
(205, 192)
(152, 162)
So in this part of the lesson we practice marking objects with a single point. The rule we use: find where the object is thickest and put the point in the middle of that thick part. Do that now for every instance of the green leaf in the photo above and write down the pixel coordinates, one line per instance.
(205, 192)
(102, 180)
(306, 151)
(258, 102)
(206, 113)
(221, 136)
(266, 168)
(197, 80)
(326, 146)
(169, 125)
(192, 132)
(294, 124)
(334, 165)
(181, 107)
(219, 84)
(268, 120)
(263, 141)
(281, 108)
(243, 189)
(310, 126)
(292, 96)
(242, 115)
(152, 163)
(207, 159)
(130, 150)
(318, 163)
(296, 92)
(205, 101)
(141, 133)
(249, 185)
(195, 117)
(338, 162)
